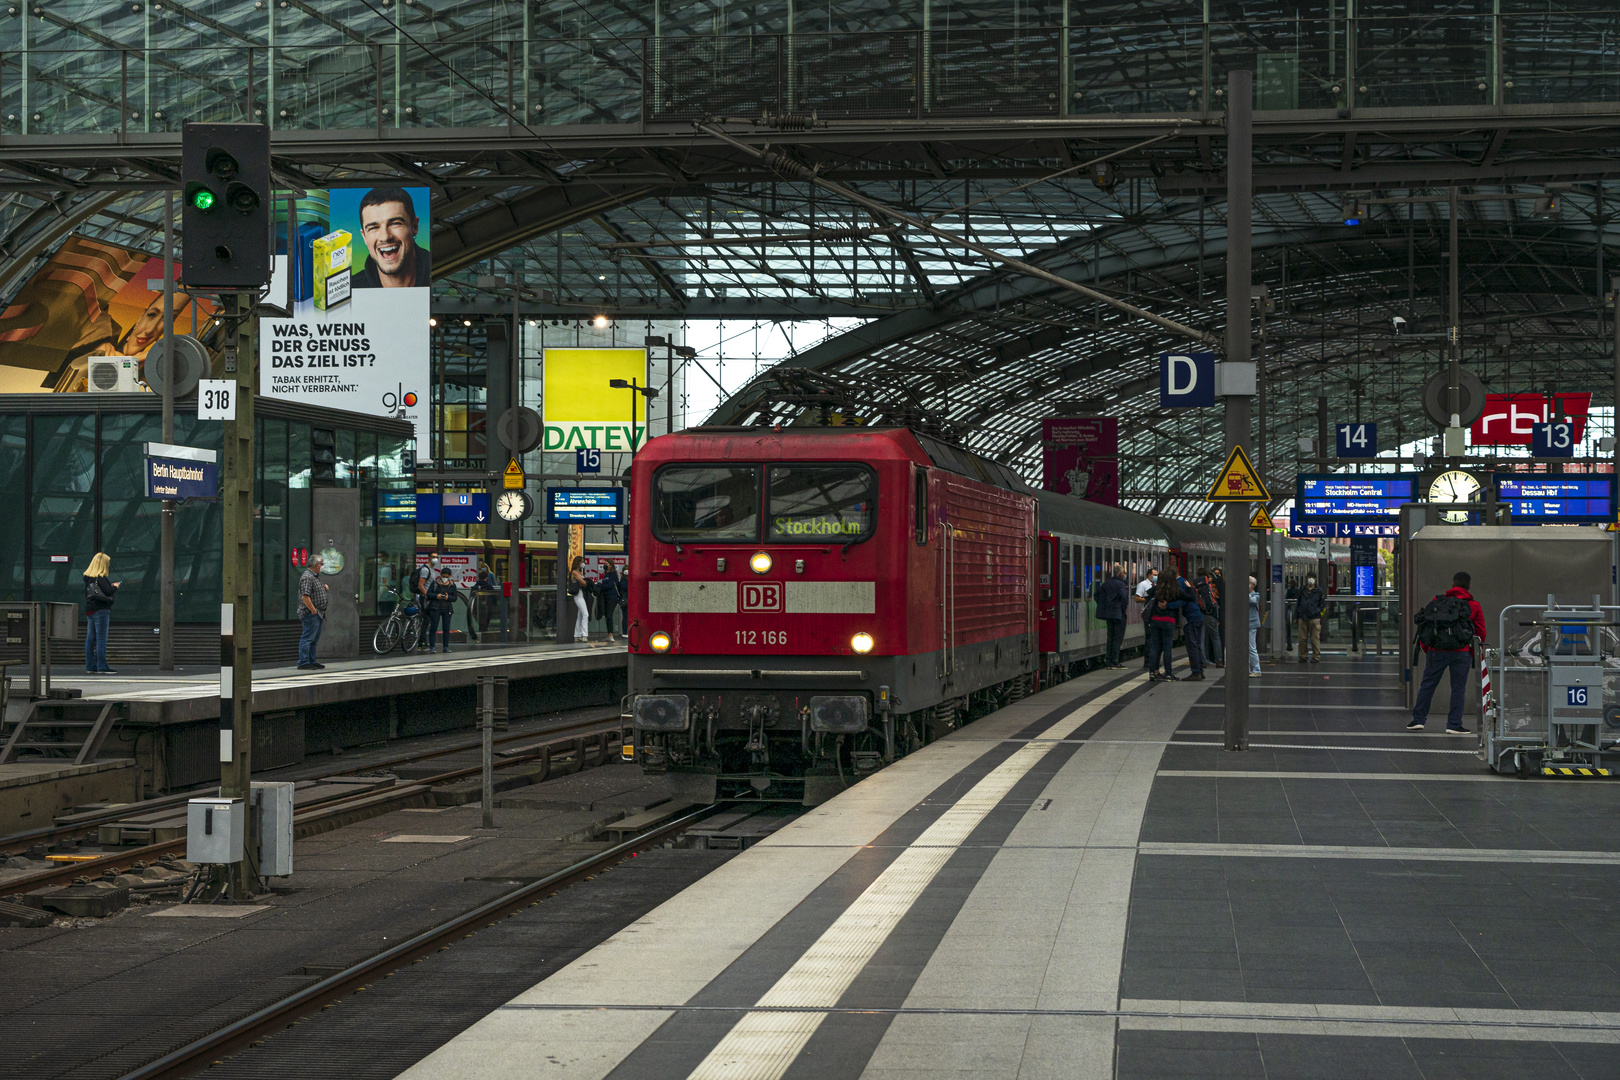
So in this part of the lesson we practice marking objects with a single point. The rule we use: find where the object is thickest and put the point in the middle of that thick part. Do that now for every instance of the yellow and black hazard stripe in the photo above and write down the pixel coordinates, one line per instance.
(1575, 770)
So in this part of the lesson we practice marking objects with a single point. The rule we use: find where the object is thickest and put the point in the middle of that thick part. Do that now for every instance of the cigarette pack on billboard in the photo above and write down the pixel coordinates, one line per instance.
(332, 269)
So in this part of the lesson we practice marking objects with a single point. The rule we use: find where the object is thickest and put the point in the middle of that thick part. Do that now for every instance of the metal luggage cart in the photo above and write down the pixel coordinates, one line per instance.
(1549, 691)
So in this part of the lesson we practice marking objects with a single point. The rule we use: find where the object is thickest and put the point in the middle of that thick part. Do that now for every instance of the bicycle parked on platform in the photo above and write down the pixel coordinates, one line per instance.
(402, 629)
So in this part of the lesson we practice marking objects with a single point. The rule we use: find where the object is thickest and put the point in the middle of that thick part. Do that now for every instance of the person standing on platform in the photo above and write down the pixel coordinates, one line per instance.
(1254, 628)
(1446, 628)
(577, 588)
(1144, 592)
(1308, 610)
(1187, 602)
(312, 597)
(1159, 620)
(608, 597)
(1112, 596)
(441, 606)
(99, 590)
(1217, 591)
(484, 590)
(1209, 603)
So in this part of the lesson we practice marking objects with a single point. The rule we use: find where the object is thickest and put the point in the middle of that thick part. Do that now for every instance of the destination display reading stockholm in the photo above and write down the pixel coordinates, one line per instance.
(1341, 497)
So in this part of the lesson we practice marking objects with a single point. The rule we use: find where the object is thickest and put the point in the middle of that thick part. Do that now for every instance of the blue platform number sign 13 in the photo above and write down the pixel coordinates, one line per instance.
(1576, 695)
(1358, 440)
(1552, 440)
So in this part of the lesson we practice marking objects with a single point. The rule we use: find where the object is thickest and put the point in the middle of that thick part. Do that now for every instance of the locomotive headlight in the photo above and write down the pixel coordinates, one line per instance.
(759, 562)
(861, 643)
(659, 642)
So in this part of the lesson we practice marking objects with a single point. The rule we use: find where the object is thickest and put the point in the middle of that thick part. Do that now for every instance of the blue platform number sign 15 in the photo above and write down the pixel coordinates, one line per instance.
(1576, 695)
(1552, 440)
(587, 460)
(1358, 440)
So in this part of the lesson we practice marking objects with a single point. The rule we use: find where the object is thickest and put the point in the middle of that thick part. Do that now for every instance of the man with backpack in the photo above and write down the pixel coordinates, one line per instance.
(1209, 601)
(1112, 596)
(1445, 630)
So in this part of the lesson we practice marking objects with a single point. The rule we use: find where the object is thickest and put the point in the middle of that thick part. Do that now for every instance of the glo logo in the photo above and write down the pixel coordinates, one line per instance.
(760, 596)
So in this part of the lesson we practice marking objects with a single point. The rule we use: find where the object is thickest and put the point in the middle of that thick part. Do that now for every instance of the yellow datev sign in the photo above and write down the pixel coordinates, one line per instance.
(580, 409)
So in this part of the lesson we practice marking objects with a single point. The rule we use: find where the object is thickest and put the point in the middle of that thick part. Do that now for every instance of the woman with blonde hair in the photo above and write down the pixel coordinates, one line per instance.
(99, 590)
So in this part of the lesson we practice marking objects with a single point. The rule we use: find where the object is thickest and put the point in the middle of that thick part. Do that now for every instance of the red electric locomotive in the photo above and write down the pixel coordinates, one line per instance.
(808, 603)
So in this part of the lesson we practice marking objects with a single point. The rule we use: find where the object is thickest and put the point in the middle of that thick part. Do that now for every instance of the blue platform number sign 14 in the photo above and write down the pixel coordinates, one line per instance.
(1358, 440)
(587, 460)
(1576, 695)
(1552, 440)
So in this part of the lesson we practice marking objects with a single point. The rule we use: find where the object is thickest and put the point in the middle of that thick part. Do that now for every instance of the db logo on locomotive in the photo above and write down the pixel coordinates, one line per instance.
(760, 596)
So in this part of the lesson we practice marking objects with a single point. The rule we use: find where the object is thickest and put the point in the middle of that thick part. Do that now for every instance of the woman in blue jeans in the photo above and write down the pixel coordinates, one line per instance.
(99, 590)
(1159, 622)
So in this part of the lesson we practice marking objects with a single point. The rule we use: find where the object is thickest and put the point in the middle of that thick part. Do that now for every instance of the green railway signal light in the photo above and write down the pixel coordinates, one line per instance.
(202, 199)
(225, 177)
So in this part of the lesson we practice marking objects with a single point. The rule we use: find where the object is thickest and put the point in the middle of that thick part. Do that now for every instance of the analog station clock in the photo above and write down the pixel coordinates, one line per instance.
(1454, 486)
(513, 505)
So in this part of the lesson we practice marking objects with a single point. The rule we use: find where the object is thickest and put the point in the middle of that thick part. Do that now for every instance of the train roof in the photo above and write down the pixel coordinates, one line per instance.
(1067, 514)
(1193, 535)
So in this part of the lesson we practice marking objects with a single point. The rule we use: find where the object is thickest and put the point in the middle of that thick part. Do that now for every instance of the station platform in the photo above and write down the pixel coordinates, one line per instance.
(167, 697)
(1085, 884)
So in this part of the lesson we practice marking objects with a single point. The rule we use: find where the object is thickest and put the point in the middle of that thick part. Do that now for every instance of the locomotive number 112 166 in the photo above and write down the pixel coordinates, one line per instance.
(761, 637)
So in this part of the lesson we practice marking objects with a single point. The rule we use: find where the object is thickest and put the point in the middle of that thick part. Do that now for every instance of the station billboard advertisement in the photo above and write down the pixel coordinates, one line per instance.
(579, 407)
(357, 278)
(1508, 418)
(1080, 457)
(90, 298)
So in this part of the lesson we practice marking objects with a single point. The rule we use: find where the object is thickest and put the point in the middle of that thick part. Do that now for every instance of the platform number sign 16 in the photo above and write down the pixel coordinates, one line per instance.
(216, 399)
(1358, 440)
(1576, 695)
(1552, 440)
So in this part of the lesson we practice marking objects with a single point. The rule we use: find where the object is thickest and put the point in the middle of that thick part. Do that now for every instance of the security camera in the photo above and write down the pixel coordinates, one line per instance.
(1399, 322)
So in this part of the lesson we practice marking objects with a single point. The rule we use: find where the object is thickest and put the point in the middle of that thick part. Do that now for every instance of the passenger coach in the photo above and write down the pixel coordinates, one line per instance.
(809, 603)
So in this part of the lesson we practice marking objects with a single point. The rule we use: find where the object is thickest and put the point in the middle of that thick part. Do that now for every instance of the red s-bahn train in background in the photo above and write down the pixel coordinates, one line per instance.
(809, 603)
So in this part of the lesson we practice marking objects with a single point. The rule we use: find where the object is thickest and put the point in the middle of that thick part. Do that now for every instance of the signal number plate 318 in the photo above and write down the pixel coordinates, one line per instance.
(761, 637)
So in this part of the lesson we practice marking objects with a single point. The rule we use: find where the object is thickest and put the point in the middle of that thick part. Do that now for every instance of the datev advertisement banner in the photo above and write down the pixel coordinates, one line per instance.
(581, 409)
(359, 281)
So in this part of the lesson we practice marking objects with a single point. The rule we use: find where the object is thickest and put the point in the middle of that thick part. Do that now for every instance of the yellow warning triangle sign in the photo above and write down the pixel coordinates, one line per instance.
(1238, 482)
(1261, 519)
(512, 478)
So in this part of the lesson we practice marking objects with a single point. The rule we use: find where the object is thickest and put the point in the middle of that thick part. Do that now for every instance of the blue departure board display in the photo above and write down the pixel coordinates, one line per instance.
(585, 506)
(1572, 499)
(1346, 497)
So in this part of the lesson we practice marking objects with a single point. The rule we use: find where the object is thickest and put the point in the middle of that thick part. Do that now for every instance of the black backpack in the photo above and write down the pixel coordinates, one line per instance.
(1445, 624)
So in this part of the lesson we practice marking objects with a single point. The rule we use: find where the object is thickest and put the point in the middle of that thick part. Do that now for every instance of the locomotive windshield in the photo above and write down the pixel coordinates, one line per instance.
(707, 503)
(821, 503)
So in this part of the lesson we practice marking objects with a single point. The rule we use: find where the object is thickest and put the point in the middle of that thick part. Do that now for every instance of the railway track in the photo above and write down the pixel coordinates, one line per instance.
(337, 812)
(204, 1051)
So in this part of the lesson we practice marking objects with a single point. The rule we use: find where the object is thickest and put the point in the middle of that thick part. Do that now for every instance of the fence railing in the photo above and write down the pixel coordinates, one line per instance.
(1076, 70)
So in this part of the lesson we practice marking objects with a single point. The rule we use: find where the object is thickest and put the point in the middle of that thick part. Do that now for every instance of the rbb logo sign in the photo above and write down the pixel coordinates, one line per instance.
(760, 596)
(1186, 380)
(1552, 440)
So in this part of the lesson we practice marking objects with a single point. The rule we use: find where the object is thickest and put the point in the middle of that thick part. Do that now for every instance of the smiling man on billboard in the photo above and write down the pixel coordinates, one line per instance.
(388, 227)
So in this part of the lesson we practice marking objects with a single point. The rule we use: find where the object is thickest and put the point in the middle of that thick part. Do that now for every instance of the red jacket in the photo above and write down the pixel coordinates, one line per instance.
(1474, 610)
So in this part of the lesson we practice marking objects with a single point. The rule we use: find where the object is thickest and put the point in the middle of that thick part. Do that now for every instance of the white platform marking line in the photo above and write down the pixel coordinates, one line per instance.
(763, 1044)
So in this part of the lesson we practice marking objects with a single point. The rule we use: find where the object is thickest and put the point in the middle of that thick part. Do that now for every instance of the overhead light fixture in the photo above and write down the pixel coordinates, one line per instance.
(433, 322)
(1104, 175)
(600, 322)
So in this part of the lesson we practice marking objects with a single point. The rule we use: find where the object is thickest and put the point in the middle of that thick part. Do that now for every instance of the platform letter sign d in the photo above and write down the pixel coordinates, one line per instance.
(1186, 380)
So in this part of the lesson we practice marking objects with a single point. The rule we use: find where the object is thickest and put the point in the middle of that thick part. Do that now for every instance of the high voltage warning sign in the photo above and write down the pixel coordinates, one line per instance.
(1238, 482)
(1261, 519)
